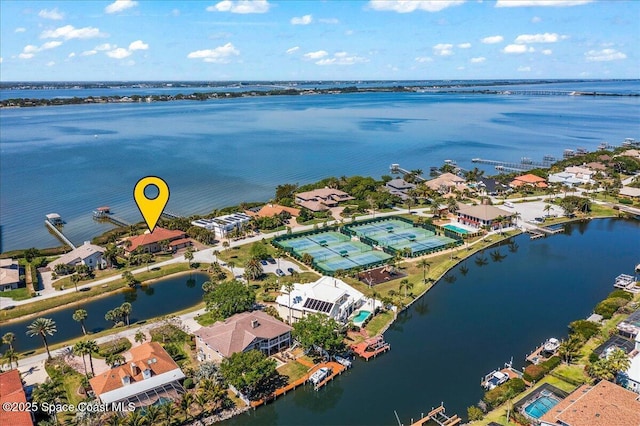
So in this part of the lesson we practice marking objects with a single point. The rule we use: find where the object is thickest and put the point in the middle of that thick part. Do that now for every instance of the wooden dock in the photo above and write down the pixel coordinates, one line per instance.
(370, 348)
(439, 416)
(58, 233)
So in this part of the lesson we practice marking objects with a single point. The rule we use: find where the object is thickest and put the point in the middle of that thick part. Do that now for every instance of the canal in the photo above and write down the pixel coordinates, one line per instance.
(162, 297)
(502, 304)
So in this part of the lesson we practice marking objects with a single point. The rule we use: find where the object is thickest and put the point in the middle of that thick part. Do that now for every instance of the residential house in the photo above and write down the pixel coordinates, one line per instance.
(322, 199)
(241, 333)
(529, 180)
(328, 295)
(151, 375)
(400, 188)
(12, 392)
(447, 183)
(490, 186)
(149, 242)
(270, 210)
(87, 254)
(631, 153)
(629, 192)
(9, 274)
(573, 175)
(631, 378)
(484, 215)
(603, 404)
(223, 225)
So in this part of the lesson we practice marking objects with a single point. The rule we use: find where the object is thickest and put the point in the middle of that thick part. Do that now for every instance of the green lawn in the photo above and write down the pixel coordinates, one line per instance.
(377, 323)
(17, 294)
(293, 370)
(574, 373)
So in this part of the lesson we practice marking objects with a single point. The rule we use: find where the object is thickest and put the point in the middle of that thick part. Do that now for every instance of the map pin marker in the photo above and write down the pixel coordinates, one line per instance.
(151, 208)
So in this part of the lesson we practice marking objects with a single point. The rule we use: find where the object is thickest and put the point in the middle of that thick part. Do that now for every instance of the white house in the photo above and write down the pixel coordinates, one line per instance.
(222, 225)
(9, 274)
(328, 295)
(573, 175)
(87, 254)
(632, 375)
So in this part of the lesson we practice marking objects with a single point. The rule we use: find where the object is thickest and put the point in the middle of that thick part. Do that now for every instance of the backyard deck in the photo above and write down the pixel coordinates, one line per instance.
(370, 348)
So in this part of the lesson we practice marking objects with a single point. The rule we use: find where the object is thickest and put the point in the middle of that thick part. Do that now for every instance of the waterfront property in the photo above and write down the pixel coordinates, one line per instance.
(328, 295)
(573, 176)
(537, 403)
(87, 254)
(630, 327)
(484, 215)
(54, 219)
(399, 187)
(626, 282)
(331, 251)
(9, 274)
(603, 404)
(270, 210)
(399, 235)
(150, 377)
(223, 225)
(152, 242)
(528, 180)
(322, 199)
(447, 183)
(241, 333)
(460, 229)
(631, 378)
(12, 392)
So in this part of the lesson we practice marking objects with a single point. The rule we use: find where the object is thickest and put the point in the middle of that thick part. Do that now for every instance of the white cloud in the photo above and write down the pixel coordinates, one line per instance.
(464, 45)
(515, 48)
(443, 49)
(293, 49)
(478, 60)
(316, 55)
(120, 5)
(30, 48)
(50, 45)
(219, 55)
(331, 21)
(552, 3)
(492, 39)
(25, 55)
(547, 52)
(604, 55)
(536, 20)
(524, 69)
(460, 68)
(104, 46)
(538, 38)
(89, 52)
(71, 55)
(408, 6)
(50, 63)
(20, 30)
(118, 53)
(342, 58)
(303, 20)
(138, 45)
(241, 6)
(51, 14)
(69, 32)
(423, 59)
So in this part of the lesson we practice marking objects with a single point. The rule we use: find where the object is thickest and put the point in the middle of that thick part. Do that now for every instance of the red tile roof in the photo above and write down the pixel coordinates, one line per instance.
(156, 236)
(140, 356)
(270, 210)
(529, 179)
(11, 390)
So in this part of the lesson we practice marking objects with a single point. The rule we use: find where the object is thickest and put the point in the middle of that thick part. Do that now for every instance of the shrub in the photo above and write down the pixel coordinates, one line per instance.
(620, 293)
(625, 201)
(533, 373)
(474, 413)
(585, 329)
(608, 307)
(520, 418)
(593, 357)
(114, 347)
(188, 383)
(498, 395)
(552, 363)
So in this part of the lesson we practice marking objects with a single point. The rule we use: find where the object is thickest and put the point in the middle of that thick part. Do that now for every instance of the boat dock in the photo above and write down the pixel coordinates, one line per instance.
(395, 168)
(104, 213)
(439, 416)
(525, 164)
(626, 283)
(51, 221)
(170, 215)
(371, 347)
(538, 355)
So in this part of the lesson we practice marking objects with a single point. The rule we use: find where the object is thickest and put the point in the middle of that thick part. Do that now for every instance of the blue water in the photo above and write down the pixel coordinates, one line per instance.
(72, 159)
(455, 228)
(540, 406)
(361, 317)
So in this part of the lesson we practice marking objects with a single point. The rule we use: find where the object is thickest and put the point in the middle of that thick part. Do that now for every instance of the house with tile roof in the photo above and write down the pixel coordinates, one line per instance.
(241, 333)
(150, 375)
(484, 215)
(322, 199)
(530, 180)
(270, 210)
(9, 274)
(603, 404)
(149, 242)
(87, 254)
(446, 183)
(399, 187)
(12, 391)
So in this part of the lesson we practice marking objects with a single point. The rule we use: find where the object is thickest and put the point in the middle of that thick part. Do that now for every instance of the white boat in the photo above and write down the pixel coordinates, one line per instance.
(494, 379)
(551, 345)
(321, 374)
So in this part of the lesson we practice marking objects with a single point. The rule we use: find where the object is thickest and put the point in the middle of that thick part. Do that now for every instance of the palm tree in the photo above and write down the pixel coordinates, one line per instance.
(10, 355)
(91, 347)
(80, 315)
(42, 327)
(126, 309)
(168, 409)
(80, 349)
(425, 265)
(152, 414)
(232, 265)
(140, 337)
(547, 208)
(202, 398)
(253, 269)
(569, 348)
(75, 278)
(288, 287)
(225, 245)
(185, 404)
(188, 255)
(8, 339)
(114, 360)
(134, 418)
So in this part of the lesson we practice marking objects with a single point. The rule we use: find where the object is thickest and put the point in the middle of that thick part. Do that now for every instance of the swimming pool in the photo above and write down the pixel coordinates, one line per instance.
(361, 317)
(540, 406)
(454, 228)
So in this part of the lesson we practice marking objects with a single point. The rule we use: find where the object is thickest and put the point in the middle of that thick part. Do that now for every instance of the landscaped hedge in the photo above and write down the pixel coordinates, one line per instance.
(620, 293)
(552, 362)
(114, 347)
(585, 329)
(498, 395)
(608, 307)
(533, 373)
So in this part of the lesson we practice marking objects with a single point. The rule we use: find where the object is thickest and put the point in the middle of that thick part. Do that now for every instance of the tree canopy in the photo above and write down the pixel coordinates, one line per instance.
(318, 330)
(228, 298)
(250, 372)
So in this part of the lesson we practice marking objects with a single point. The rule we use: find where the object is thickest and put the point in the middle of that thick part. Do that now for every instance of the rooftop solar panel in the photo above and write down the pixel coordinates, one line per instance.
(318, 305)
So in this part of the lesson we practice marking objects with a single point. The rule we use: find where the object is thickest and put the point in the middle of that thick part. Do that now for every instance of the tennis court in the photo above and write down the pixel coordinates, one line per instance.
(400, 235)
(333, 250)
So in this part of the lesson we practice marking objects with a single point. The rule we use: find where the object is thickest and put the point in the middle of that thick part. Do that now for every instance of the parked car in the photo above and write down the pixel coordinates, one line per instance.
(271, 260)
(264, 262)
(279, 273)
(291, 270)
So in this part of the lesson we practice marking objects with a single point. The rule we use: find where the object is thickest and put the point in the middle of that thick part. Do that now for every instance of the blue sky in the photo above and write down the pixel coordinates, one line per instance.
(324, 40)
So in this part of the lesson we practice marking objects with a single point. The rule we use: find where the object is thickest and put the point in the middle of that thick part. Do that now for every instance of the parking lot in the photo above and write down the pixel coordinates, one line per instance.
(531, 210)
